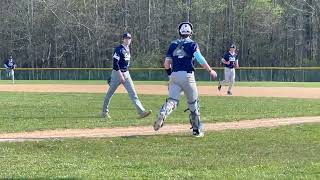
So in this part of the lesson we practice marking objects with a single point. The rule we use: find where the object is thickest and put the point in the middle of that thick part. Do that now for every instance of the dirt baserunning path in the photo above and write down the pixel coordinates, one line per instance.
(148, 130)
(291, 92)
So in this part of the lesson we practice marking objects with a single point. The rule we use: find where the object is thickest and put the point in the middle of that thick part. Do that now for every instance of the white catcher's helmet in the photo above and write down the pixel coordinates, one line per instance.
(185, 28)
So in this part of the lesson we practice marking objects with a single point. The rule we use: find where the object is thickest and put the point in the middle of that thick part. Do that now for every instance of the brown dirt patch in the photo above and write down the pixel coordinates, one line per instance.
(148, 130)
(292, 92)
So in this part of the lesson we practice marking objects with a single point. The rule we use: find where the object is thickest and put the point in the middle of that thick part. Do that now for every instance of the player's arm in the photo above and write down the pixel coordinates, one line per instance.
(202, 61)
(14, 66)
(167, 65)
(237, 63)
(5, 64)
(168, 60)
(224, 61)
(116, 58)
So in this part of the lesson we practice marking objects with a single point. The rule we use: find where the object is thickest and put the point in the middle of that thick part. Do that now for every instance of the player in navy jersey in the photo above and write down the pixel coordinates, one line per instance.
(10, 65)
(179, 64)
(230, 62)
(120, 75)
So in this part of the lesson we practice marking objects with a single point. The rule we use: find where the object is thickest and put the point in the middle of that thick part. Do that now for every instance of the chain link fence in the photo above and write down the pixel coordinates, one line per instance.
(290, 74)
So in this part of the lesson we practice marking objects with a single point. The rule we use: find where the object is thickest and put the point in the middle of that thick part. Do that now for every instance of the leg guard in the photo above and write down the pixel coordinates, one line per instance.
(169, 106)
(165, 110)
(194, 117)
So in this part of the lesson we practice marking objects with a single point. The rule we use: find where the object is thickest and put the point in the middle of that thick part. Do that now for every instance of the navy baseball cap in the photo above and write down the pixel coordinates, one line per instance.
(232, 46)
(126, 35)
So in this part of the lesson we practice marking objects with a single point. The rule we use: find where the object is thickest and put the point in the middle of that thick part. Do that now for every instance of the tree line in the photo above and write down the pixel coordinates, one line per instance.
(84, 33)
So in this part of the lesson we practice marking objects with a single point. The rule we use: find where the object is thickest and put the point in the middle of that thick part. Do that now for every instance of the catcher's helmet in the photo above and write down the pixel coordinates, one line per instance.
(185, 28)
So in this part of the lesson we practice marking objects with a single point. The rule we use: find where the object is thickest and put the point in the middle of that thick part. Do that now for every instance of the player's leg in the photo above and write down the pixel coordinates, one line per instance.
(114, 83)
(12, 76)
(134, 96)
(8, 73)
(228, 79)
(191, 93)
(221, 83)
(231, 80)
(225, 80)
(171, 103)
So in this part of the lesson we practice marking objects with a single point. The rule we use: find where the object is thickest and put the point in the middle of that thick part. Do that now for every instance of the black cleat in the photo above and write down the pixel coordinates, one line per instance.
(219, 86)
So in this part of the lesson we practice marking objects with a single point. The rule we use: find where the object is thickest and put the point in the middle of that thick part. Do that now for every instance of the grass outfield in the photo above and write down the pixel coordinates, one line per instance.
(290, 152)
(38, 111)
(200, 83)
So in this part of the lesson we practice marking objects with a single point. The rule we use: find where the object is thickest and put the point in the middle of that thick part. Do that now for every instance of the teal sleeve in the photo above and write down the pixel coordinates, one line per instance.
(199, 57)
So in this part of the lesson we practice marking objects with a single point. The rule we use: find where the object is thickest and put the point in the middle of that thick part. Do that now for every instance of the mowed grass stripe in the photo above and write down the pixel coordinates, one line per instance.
(290, 152)
(40, 111)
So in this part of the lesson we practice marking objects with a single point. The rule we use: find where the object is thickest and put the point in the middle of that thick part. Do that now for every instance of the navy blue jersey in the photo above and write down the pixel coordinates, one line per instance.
(181, 52)
(121, 58)
(231, 58)
(9, 63)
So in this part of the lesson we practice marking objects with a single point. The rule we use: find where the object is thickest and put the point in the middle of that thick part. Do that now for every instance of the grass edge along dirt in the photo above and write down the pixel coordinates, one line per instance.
(40, 111)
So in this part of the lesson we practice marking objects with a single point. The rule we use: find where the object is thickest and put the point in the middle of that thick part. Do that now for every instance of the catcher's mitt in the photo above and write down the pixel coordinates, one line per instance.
(109, 81)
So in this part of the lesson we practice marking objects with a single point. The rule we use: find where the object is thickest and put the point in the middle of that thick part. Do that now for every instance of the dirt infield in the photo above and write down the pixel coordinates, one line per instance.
(292, 92)
(148, 130)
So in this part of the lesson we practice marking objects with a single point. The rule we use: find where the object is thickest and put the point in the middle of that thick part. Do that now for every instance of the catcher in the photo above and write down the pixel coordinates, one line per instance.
(179, 64)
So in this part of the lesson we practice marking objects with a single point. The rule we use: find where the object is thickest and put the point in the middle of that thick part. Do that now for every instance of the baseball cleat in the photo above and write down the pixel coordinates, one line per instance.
(229, 93)
(197, 133)
(159, 122)
(219, 86)
(145, 114)
(105, 115)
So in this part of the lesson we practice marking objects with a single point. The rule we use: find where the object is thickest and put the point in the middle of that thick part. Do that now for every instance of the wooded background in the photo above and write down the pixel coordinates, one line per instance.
(84, 33)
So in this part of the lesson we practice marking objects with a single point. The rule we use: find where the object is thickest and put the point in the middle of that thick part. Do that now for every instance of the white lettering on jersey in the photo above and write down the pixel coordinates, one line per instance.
(127, 56)
(116, 56)
(232, 59)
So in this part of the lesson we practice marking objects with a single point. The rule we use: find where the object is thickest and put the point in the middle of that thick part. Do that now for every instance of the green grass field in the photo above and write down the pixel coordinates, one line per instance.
(38, 111)
(200, 83)
(290, 152)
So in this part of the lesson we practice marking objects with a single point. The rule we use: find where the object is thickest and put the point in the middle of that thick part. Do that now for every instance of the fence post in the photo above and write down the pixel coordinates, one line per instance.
(271, 75)
(89, 75)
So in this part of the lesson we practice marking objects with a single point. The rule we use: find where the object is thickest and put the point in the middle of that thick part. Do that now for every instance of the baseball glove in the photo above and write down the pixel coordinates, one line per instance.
(109, 81)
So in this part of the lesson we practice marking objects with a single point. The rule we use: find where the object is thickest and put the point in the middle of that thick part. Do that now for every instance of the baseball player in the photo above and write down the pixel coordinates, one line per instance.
(120, 75)
(10, 65)
(179, 64)
(230, 62)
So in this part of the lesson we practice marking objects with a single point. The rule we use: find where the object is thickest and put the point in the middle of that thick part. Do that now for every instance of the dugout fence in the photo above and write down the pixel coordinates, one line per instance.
(283, 74)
